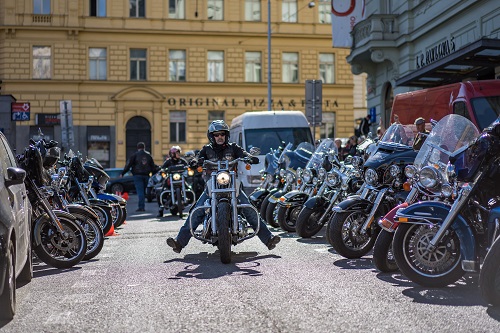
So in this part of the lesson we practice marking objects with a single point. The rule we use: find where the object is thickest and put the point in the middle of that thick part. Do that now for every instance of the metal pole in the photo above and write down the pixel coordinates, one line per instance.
(314, 110)
(269, 55)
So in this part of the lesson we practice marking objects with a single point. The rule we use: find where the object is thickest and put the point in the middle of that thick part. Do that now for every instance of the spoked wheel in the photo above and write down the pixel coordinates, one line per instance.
(93, 232)
(383, 255)
(271, 214)
(59, 250)
(346, 237)
(105, 218)
(119, 217)
(287, 217)
(489, 278)
(428, 268)
(224, 232)
(308, 222)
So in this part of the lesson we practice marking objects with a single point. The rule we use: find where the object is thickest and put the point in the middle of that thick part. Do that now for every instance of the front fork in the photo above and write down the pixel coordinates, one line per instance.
(376, 205)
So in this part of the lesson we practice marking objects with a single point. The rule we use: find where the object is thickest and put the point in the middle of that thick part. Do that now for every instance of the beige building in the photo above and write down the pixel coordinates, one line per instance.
(101, 75)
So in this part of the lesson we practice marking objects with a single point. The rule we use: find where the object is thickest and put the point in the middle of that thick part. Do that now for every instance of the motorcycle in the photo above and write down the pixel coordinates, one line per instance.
(351, 230)
(223, 226)
(312, 179)
(435, 242)
(489, 276)
(383, 254)
(57, 238)
(175, 193)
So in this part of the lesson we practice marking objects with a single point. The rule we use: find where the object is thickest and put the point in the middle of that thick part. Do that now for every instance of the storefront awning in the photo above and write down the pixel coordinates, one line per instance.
(477, 60)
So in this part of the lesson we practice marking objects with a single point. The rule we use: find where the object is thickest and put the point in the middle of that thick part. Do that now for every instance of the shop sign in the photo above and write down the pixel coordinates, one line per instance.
(99, 138)
(20, 111)
(48, 119)
(435, 53)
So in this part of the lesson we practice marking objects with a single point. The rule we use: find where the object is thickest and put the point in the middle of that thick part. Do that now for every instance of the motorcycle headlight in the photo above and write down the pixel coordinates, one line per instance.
(356, 161)
(307, 175)
(428, 177)
(190, 172)
(394, 170)
(446, 190)
(371, 177)
(410, 171)
(282, 173)
(333, 179)
(299, 172)
(269, 177)
(223, 178)
(321, 173)
(176, 176)
(289, 178)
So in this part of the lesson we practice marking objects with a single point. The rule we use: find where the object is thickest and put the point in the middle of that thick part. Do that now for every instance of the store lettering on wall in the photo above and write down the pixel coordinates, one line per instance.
(247, 102)
(435, 53)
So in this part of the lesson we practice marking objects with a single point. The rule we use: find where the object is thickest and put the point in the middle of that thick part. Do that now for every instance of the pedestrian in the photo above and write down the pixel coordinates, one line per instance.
(142, 166)
(364, 126)
(219, 149)
(421, 135)
(338, 146)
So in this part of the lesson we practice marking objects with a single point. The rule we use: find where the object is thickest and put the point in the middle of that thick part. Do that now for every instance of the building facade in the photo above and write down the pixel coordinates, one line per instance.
(408, 45)
(101, 75)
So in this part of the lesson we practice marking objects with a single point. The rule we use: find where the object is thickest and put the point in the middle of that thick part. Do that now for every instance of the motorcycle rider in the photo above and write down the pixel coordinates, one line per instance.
(175, 159)
(218, 149)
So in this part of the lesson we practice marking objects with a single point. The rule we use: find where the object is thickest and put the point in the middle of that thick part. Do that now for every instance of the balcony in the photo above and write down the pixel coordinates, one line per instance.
(41, 18)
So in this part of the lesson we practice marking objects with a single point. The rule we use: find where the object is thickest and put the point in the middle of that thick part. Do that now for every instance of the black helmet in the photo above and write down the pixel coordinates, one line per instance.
(217, 126)
(51, 157)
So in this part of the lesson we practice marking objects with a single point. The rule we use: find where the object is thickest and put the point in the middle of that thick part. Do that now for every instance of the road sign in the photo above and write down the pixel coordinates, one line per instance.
(20, 111)
(67, 123)
(314, 101)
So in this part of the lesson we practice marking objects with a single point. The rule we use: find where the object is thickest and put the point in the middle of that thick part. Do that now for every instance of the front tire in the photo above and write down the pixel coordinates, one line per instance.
(224, 242)
(307, 222)
(8, 296)
(179, 199)
(271, 214)
(383, 254)
(263, 207)
(345, 237)
(429, 269)
(93, 233)
(489, 277)
(287, 217)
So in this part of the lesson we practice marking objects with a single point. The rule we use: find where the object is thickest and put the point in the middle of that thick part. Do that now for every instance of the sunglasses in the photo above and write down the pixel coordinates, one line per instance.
(216, 135)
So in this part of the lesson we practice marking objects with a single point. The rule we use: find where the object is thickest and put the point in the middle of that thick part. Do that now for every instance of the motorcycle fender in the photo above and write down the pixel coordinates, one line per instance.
(36, 223)
(76, 207)
(99, 202)
(315, 202)
(276, 196)
(257, 194)
(459, 226)
(293, 199)
(353, 203)
(110, 197)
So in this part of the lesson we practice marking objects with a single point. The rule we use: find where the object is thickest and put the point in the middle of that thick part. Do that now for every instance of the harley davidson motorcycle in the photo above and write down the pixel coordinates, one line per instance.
(351, 230)
(175, 193)
(312, 179)
(57, 238)
(435, 243)
(224, 226)
(383, 254)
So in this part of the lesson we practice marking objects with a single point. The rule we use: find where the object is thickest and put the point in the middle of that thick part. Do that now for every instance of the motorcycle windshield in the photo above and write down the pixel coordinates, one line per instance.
(399, 135)
(288, 148)
(317, 157)
(451, 134)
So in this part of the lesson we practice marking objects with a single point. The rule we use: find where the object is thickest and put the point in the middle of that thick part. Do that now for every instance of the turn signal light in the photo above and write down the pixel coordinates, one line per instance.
(248, 166)
(407, 186)
(200, 169)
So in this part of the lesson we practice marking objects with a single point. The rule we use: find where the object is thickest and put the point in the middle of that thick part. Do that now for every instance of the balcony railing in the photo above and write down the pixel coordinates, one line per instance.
(375, 27)
(41, 18)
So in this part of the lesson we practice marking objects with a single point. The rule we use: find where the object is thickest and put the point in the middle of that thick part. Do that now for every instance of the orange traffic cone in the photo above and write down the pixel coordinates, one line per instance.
(111, 232)
(125, 196)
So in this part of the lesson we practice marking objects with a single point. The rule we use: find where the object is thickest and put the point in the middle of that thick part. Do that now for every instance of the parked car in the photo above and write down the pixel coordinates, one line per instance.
(119, 184)
(15, 230)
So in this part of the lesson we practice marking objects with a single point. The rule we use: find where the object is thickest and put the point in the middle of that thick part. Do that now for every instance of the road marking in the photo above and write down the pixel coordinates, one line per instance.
(59, 318)
(78, 298)
(95, 272)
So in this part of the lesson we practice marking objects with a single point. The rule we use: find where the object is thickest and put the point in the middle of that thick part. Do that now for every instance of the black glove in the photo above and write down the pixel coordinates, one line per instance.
(254, 160)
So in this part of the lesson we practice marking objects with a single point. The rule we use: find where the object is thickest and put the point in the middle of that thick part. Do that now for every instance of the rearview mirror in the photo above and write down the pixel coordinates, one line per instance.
(255, 151)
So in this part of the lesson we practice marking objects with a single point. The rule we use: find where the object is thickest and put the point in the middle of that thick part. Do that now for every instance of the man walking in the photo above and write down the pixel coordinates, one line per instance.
(142, 165)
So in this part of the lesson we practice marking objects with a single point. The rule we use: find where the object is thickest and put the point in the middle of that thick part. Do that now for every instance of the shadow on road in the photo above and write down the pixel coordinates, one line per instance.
(361, 263)
(43, 269)
(206, 265)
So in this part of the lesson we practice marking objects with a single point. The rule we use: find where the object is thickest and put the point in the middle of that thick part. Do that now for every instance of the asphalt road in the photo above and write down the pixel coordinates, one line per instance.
(137, 284)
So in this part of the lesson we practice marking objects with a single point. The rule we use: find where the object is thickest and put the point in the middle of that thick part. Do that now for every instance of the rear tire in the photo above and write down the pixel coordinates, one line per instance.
(8, 296)
(224, 232)
(489, 277)
(26, 274)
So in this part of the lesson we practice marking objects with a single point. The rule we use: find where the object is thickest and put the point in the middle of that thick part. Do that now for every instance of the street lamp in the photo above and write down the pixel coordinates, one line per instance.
(311, 4)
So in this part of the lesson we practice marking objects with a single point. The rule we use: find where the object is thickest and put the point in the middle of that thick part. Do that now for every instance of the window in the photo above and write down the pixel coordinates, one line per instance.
(215, 115)
(291, 67)
(177, 126)
(176, 9)
(252, 10)
(325, 11)
(327, 67)
(41, 7)
(42, 62)
(177, 65)
(98, 8)
(215, 9)
(138, 64)
(97, 64)
(253, 67)
(327, 129)
(289, 11)
(215, 66)
(137, 8)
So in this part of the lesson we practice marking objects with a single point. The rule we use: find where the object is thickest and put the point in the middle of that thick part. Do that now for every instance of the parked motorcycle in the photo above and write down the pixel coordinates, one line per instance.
(489, 276)
(224, 226)
(57, 239)
(175, 193)
(435, 243)
(351, 230)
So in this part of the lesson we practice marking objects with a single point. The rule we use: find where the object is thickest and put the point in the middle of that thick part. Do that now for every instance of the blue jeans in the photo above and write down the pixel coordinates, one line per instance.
(197, 218)
(140, 182)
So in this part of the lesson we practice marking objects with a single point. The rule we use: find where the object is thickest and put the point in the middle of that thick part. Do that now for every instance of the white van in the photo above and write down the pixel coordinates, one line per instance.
(266, 130)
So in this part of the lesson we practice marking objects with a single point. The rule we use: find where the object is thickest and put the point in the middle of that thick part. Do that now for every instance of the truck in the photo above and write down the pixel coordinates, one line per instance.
(266, 130)
(479, 101)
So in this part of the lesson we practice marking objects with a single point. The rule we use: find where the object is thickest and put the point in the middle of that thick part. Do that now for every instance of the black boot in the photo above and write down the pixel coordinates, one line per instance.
(160, 213)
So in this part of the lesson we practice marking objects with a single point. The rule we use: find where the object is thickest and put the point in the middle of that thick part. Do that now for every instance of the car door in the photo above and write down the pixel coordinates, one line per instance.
(18, 201)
